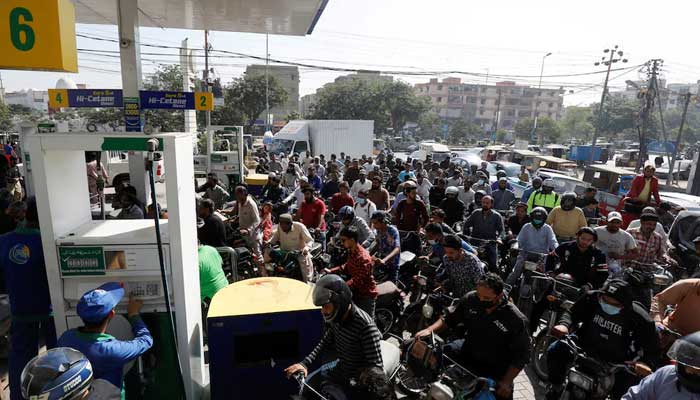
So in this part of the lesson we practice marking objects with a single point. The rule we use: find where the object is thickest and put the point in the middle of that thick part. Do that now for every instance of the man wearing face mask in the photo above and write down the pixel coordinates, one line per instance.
(566, 219)
(616, 244)
(364, 207)
(503, 197)
(360, 184)
(482, 183)
(673, 382)
(452, 206)
(496, 344)
(610, 327)
(536, 185)
(545, 197)
(535, 237)
(350, 334)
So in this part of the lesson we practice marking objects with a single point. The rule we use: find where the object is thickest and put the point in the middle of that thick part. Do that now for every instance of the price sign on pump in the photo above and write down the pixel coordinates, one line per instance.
(38, 35)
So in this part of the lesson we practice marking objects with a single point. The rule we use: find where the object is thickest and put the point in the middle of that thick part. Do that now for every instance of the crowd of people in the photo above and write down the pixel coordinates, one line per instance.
(373, 208)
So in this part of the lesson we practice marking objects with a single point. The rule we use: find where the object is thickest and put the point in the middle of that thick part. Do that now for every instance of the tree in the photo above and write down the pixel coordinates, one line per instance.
(166, 77)
(245, 97)
(429, 125)
(463, 130)
(292, 116)
(576, 123)
(501, 135)
(388, 104)
(545, 126)
(5, 118)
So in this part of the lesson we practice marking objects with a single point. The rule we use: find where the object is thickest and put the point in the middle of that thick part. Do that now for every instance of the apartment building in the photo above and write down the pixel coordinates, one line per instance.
(288, 77)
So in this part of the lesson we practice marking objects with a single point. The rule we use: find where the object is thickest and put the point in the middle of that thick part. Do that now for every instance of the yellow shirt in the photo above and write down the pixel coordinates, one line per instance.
(566, 223)
(644, 194)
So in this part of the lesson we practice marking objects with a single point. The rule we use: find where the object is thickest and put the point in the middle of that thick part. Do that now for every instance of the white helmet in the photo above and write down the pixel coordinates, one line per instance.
(451, 190)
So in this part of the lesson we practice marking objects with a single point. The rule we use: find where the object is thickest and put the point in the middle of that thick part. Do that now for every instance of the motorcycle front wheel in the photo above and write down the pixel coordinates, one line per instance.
(410, 384)
(384, 319)
(539, 354)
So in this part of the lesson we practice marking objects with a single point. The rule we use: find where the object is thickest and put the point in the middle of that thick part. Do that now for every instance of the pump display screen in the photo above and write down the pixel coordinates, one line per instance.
(143, 289)
(266, 347)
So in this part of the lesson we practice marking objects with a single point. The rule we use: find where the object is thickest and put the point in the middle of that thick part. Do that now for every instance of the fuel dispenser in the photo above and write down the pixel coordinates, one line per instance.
(81, 253)
(224, 155)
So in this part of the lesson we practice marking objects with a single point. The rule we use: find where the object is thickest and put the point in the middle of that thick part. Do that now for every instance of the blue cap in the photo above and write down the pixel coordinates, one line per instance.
(96, 304)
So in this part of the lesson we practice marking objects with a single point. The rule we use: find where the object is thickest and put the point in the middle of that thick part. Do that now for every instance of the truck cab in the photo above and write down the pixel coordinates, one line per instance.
(292, 138)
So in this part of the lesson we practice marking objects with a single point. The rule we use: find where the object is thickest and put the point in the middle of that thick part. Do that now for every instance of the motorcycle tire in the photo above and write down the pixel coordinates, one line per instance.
(412, 385)
(384, 319)
(539, 354)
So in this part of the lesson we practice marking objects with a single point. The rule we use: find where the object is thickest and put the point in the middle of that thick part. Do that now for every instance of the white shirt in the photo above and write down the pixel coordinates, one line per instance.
(618, 243)
(368, 167)
(423, 189)
(365, 211)
(297, 238)
(466, 196)
(248, 216)
(357, 186)
(454, 181)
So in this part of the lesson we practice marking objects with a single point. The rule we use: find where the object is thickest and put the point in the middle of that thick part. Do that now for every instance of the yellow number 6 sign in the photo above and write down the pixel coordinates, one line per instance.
(38, 35)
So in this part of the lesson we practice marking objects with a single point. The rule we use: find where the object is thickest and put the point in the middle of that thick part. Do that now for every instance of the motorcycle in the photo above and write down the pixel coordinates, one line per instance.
(428, 373)
(589, 378)
(561, 296)
(532, 266)
(238, 263)
(481, 246)
(646, 280)
(388, 308)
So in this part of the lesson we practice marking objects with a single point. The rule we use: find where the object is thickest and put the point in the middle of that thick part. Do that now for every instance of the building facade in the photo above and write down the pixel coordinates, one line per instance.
(288, 77)
(492, 107)
(37, 100)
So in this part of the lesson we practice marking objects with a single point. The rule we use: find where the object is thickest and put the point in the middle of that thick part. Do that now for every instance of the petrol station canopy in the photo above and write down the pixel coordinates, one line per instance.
(280, 17)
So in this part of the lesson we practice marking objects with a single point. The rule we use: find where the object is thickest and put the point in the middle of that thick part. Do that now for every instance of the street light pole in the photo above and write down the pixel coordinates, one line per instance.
(609, 64)
(539, 87)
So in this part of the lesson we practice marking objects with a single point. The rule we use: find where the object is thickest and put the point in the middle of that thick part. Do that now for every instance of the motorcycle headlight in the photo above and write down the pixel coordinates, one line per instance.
(428, 311)
(661, 279)
(576, 378)
(530, 266)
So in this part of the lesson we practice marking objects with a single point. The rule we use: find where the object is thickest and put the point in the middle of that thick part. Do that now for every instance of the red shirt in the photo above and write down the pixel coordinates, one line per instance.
(360, 268)
(340, 200)
(312, 213)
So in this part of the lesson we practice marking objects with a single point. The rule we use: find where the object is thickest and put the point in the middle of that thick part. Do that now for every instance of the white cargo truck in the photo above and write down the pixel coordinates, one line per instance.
(352, 137)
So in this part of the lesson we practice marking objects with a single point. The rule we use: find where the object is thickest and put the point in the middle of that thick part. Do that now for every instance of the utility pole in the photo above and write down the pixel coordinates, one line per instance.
(649, 96)
(267, 85)
(206, 73)
(498, 111)
(661, 107)
(678, 139)
(609, 62)
(539, 88)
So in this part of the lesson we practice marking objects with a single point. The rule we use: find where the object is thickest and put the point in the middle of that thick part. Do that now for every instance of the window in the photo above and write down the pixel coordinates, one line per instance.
(439, 87)
(537, 113)
(512, 102)
(472, 100)
(300, 146)
(510, 113)
(483, 101)
(552, 94)
(439, 99)
(551, 105)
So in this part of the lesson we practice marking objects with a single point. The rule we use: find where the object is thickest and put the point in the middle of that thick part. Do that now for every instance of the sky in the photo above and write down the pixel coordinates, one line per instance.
(505, 39)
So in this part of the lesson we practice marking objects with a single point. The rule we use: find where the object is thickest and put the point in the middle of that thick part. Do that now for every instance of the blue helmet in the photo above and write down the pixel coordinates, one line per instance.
(346, 212)
(60, 373)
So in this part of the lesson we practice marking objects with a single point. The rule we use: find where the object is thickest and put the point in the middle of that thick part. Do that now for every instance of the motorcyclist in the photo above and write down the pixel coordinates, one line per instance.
(486, 224)
(273, 191)
(536, 185)
(501, 174)
(615, 243)
(293, 236)
(461, 269)
(436, 194)
(411, 213)
(496, 343)
(683, 298)
(482, 183)
(360, 269)
(613, 329)
(502, 196)
(452, 206)
(388, 244)
(365, 235)
(566, 219)
(673, 382)
(516, 222)
(350, 335)
(476, 204)
(436, 239)
(438, 216)
(545, 197)
(535, 237)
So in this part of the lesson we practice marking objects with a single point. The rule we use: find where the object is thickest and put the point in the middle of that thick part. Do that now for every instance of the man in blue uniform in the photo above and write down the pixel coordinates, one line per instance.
(107, 354)
(22, 264)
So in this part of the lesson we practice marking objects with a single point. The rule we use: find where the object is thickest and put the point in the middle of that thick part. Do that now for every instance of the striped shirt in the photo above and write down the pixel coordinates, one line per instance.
(356, 342)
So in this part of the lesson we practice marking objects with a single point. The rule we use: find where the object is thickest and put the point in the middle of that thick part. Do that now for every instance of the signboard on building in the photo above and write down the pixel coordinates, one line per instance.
(62, 98)
(132, 114)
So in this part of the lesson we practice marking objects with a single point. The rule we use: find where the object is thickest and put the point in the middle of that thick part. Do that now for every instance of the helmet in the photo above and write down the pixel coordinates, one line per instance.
(501, 174)
(538, 216)
(548, 183)
(332, 289)
(409, 185)
(481, 174)
(479, 195)
(568, 201)
(346, 212)
(536, 182)
(451, 190)
(686, 352)
(619, 290)
(60, 373)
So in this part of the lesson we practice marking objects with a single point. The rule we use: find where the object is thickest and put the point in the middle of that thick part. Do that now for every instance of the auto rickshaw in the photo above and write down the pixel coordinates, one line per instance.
(627, 159)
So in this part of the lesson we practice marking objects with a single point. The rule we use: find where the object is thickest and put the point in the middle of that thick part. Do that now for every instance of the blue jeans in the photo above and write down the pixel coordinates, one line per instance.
(25, 339)
(492, 257)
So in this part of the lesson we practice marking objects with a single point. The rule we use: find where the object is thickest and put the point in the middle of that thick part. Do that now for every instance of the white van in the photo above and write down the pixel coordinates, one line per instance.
(437, 151)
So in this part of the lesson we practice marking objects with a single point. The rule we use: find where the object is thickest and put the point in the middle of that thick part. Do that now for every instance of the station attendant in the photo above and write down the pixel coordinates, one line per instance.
(107, 354)
(24, 270)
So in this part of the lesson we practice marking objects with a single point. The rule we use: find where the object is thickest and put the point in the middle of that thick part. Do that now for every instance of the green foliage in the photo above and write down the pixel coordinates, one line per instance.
(576, 123)
(166, 77)
(388, 104)
(292, 116)
(462, 130)
(501, 135)
(5, 118)
(429, 125)
(244, 99)
(545, 126)
(103, 116)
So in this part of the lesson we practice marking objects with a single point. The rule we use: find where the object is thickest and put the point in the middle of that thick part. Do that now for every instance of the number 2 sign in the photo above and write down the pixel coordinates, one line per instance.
(38, 35)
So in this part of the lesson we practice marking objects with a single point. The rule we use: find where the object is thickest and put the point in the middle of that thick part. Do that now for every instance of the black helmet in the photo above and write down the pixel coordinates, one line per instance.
(619, 290)
(686, 352)
(346, 212)
(60, 373)
(332, 289)
(501, 174)
(478, 196)
(568, 201)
